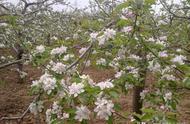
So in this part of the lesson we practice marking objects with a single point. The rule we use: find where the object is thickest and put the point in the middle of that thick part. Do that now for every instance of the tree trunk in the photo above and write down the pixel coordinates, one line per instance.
(48, 39)
(137, 101)
(19, 54)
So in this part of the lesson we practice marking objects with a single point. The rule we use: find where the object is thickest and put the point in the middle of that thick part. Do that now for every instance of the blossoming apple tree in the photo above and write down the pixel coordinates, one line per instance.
(135, 42)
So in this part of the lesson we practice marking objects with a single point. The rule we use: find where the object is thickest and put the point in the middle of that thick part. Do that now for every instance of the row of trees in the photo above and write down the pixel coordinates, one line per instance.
(130, 36)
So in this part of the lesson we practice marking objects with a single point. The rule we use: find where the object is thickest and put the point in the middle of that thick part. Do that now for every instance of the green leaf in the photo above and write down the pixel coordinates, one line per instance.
(121, 23)
(110, 120)
(114, 94)
(148, 110)
(186, 82)
(147, 117)
(121, 6)
(150, 2)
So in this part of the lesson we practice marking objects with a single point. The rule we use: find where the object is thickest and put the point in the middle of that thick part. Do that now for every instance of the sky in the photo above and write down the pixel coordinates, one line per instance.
(76, 3)
(84, 3)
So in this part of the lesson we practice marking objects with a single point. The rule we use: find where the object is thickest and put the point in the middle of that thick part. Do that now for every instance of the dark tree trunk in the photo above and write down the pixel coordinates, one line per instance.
(137, 101)
(48, 39)
(19, 54)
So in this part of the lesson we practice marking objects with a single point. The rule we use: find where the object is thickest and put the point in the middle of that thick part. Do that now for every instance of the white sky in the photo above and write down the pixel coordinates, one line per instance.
(84, 3)
(78, 3)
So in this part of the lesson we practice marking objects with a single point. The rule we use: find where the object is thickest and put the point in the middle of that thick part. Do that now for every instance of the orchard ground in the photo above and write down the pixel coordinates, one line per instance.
(15, 98)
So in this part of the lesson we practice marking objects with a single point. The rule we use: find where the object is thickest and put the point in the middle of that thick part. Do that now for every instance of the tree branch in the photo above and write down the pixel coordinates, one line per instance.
(11, 63)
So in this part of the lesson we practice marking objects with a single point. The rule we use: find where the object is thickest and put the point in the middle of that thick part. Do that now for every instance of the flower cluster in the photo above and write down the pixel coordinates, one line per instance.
(40, 49)
(108, 34)
(59, 50)
(75, 89)
(82, 113)
(104, 108)
(101, 61)
(59, 67)
(47, 82)
(36, 107)
(179, 59)
(127, 13)
(105, 85)
(56, 110)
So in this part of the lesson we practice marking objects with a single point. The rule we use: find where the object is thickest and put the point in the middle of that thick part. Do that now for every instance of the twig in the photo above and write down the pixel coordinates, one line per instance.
(170, 11)
(11, 63)
(87, 58)
(97, 2)
(120, 115)
(81, 56)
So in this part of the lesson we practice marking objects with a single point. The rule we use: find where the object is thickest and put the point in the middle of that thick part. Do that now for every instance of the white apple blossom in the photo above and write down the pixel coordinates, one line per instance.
(88, 63)
(179, 50)
(163, 38)
(135, 57)
(101, 61)
(151, 39)
(59, 50)
(143, 94)
(93, 36)
(119, 74)
(104, 108)
(82, 113)
(128, 86)
(109, 33)
(48, 116)
(75, 36)
(126, 14)
(67, 38)
(179, 59)
(105, 84)
(101, 40)
(163, 54)
(162, 43)
(48, 83)
(54, 38)
(127, 29)
(88, 79)
(82, 50)
(3, 24)
(75, 89)
(94, 52)
(133, 70)
(168, 96)
(36, 83)
(40, 49)
(2, 45)
(169, 77)
(59, 68)
(68, 57)
(162, 22)
(65, 116)
(33, 108)
(36, 107)
(63, 84)
(57, 109)
(154, 66)
(108, 53)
